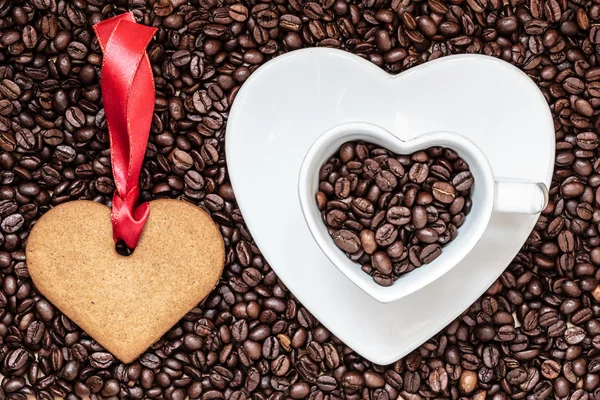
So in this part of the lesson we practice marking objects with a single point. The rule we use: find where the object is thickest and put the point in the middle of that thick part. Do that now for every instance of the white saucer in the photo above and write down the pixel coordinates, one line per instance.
(290, 101)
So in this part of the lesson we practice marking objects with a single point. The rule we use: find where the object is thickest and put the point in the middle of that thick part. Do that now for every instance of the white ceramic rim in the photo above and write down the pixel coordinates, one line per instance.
(483, 195)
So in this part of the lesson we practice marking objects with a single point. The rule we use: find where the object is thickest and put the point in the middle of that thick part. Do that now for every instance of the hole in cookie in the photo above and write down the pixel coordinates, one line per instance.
(392, 213)
(122, 249)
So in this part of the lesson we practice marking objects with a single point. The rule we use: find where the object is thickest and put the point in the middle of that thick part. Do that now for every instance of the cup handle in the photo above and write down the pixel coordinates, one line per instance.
(520, 197)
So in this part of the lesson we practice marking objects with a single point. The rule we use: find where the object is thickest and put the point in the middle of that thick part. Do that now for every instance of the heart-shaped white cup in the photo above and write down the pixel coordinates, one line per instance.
(489, 193)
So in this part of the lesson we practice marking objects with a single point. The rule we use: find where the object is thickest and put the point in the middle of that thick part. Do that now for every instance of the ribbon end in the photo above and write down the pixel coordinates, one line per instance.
(128, 226)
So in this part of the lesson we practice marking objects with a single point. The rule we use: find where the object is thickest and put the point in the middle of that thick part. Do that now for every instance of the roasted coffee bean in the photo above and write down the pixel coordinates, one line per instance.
(574, 335)
(419, 217)
(10, 89)
(386, 211)
(75, 117)
(418, 172)
(347, 241)
(382, 262)
(238, 12)
(463, 181)
(12, 223)
(386, 235)
(412, 381)
(16, 359)
(399, 215)
(550, 369)
(430, 253)
(443, 192)
(101, 360)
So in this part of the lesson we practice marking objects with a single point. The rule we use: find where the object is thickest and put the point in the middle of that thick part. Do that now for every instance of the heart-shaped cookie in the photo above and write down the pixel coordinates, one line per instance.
(126, 303)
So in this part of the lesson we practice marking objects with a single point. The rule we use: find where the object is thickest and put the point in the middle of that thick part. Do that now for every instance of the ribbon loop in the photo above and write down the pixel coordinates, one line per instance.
(128, 93)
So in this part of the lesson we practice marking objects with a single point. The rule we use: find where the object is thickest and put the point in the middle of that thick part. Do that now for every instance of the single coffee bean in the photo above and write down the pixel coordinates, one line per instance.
(368, 241)
(399, 215)
(463, 181)
(418, 173)
(238, 12)
(382, 262)
(386, 235)
(419, 217)
(430, 253)
(16, 359)
(347, 241)
(443, 192)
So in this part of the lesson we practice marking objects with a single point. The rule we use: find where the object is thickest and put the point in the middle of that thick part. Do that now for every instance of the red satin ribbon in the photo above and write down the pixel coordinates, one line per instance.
(128, 93)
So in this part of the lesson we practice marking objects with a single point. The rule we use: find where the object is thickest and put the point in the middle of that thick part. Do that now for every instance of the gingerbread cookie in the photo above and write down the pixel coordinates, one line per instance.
(126, 303)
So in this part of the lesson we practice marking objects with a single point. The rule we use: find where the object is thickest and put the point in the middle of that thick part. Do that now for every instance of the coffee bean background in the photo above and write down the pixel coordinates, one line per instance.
(534, 334)
(392, 213)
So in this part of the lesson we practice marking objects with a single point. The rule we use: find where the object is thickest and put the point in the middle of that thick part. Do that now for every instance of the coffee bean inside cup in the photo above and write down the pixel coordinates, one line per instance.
(393, 213)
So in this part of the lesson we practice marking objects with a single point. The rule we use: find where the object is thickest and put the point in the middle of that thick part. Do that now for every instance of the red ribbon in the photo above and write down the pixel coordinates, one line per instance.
(128, 92)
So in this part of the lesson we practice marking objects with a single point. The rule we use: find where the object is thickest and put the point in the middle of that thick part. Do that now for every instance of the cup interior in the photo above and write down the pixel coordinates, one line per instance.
(483, 192)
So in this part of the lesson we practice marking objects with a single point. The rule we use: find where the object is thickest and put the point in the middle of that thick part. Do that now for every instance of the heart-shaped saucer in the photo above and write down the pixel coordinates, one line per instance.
(125, 303)
(288, 103)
